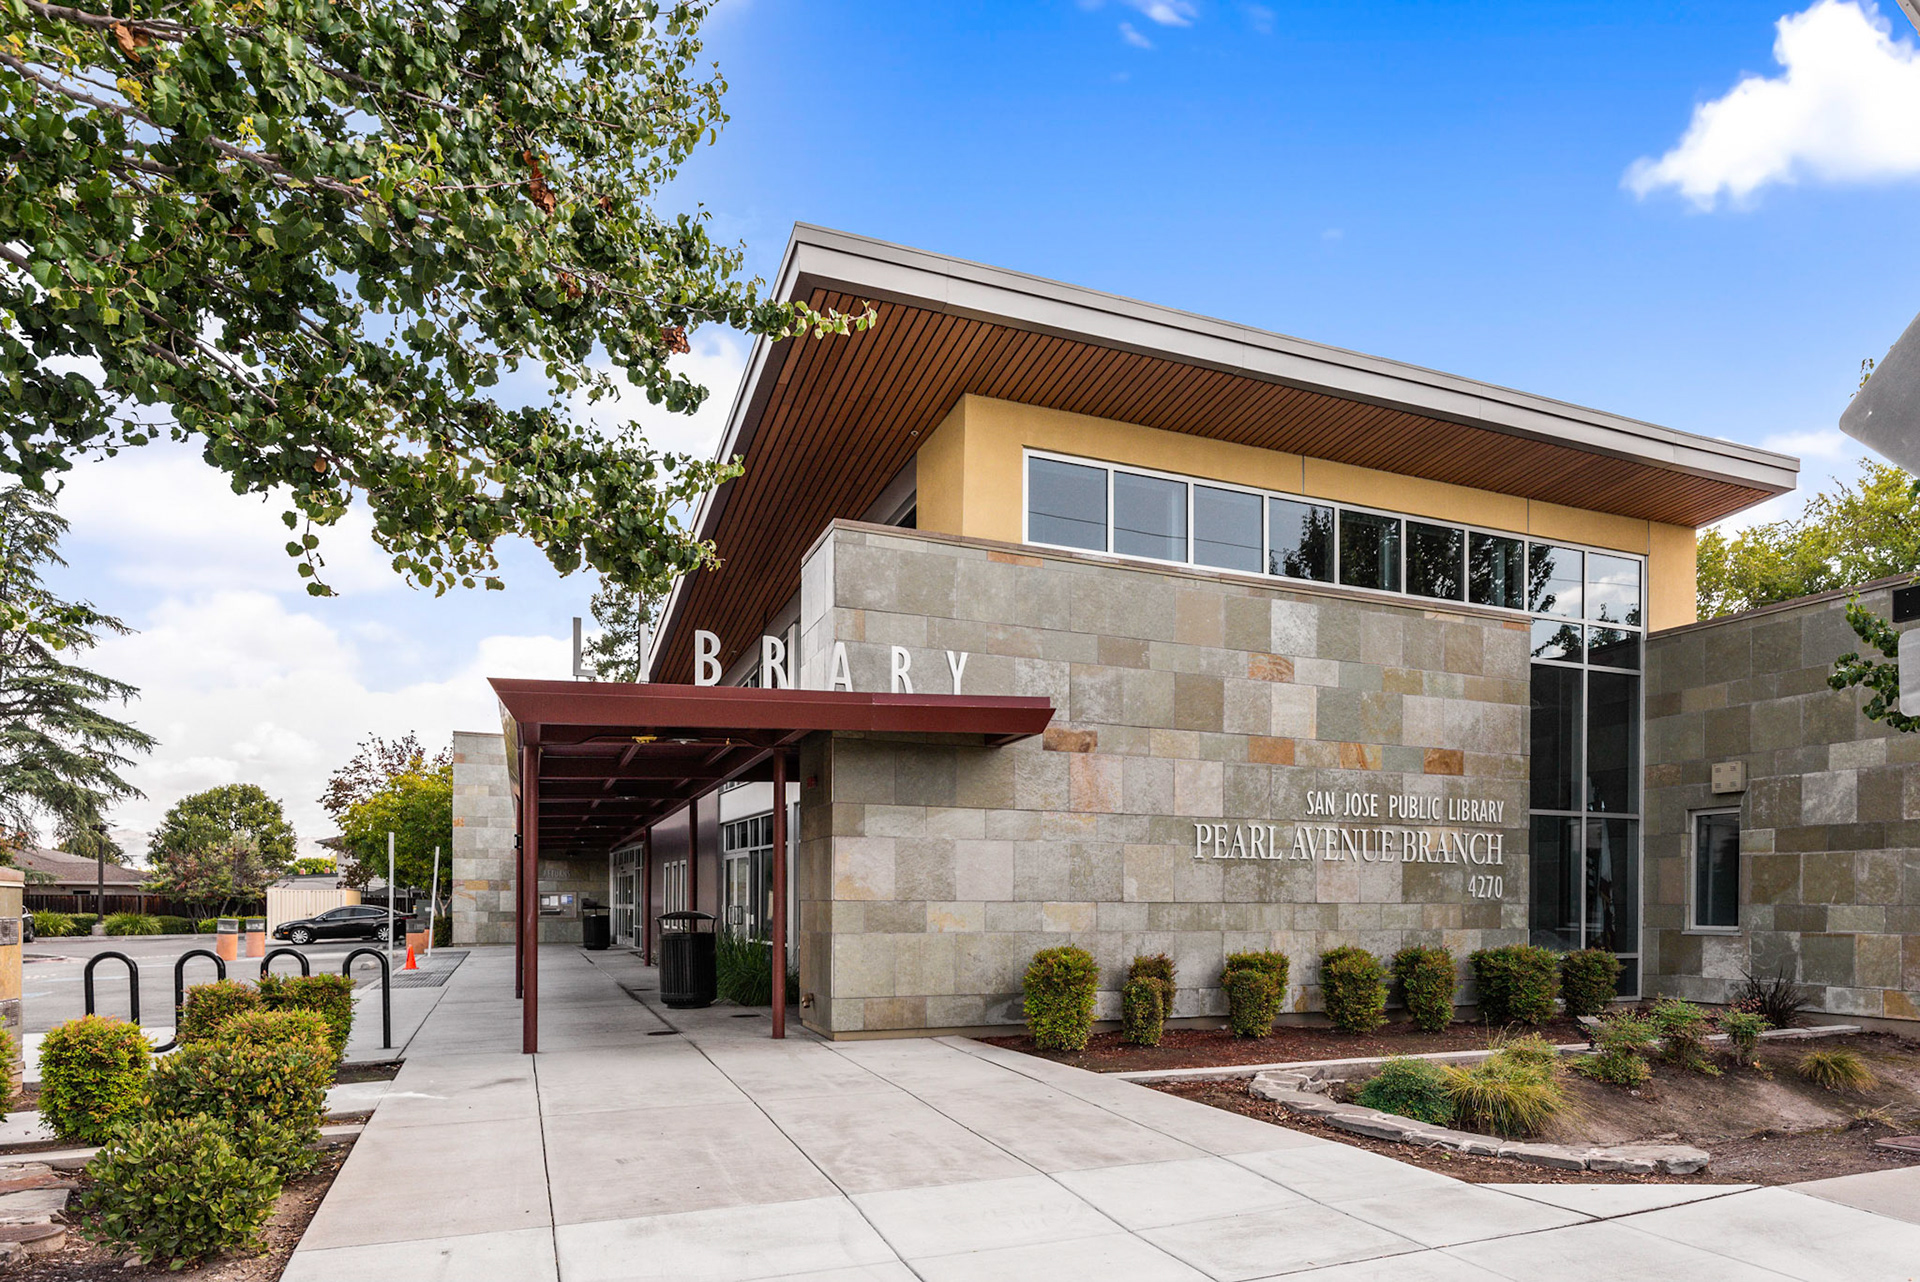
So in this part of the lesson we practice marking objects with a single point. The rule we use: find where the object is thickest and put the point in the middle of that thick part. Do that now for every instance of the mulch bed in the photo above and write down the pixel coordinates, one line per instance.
(83, 1261)
(1289, 1043)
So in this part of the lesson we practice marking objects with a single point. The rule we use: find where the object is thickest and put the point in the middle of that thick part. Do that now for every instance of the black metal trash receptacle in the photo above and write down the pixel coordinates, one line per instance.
(688, 979)
(596, 926)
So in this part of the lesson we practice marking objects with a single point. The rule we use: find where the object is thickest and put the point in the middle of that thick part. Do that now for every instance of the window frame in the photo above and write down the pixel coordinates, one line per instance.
(1694, 925)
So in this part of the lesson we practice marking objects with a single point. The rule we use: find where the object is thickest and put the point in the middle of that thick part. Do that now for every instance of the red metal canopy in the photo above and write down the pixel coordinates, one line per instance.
(596, 764)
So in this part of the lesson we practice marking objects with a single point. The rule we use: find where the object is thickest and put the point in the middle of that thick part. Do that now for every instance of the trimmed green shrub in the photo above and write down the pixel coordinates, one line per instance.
(1505, 1095)
(1256, 985)
(276, 1028)
(52, 925)
(1059, 988)
(1354, 989)
(178, 1190)
(93, 1074)
(1683, 1032)
(83, 923)
(1426, 980)
(274, 1096)
(1409, 1087)
(132, 924)
(175, 925)
(743, 969)
(1625, 1039)
(1516, 983)
(9, 1060)
(331, 995)
(206, 926)
(1143, 1017)
(1836, 1070)
(1251, 1002)
(443, 931)
(1159, 968)
(208, 1006)
(1589, 980)
(1743, 1029)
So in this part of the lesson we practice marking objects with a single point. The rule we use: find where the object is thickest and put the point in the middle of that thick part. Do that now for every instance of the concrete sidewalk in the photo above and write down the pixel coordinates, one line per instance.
(644, 1143)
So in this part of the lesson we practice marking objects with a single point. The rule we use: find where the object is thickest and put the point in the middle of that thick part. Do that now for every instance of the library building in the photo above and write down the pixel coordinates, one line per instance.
(1045, 616)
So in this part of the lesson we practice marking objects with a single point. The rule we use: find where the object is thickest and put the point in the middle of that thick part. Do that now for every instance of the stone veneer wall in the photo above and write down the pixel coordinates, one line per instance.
(483, 851)
(1830, 820)
(930, 873)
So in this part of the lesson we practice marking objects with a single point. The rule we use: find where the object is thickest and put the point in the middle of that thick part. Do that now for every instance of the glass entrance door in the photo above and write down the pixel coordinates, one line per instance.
(747, 845)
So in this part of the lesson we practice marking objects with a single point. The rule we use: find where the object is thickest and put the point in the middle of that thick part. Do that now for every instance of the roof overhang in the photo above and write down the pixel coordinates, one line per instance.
(616, 759)
(824, 424)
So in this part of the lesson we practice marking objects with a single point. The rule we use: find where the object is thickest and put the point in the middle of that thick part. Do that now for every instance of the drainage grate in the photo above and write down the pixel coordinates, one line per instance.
(444, 964)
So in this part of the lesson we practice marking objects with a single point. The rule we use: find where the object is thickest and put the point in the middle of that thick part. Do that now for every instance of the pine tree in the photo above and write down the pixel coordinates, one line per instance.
(60, 753)
(626, 617)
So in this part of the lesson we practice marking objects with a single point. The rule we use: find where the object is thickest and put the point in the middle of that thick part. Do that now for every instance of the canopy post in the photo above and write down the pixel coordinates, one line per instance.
(530, 899)
(779, 893)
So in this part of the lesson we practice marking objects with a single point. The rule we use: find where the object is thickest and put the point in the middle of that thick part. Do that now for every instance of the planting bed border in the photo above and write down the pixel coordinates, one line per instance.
(1301, 1087)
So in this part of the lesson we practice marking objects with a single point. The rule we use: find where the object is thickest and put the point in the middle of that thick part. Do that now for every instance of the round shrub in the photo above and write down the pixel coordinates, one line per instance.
(1505, 1095)
(1142, 1017)
(52, 925)
(208, 1006)
(1589, 980)
(276, 1028)
(1159, 968)
(1409, 1087)
(175, 925)
(1354, 989)
(330, 995)
(1743, 1029)
(1426, 980)
(1624, 1039)
(1253, 1006)
(273, 1096)
(9, 1060)
(93, 1073)
(1683, 1034)
(178, 1190)
(206, 926)
(1516, 983)
(443, 931)
(132, 924)
(1059, 987)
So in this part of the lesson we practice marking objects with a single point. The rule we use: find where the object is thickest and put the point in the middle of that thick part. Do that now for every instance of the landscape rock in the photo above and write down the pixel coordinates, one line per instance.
(1558, 1156)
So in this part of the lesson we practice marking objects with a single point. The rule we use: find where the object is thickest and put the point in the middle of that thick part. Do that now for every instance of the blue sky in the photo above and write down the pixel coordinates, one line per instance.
(1447, 184)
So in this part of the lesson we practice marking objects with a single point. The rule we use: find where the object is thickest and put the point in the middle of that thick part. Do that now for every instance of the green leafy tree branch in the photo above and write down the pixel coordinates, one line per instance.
(315, 237)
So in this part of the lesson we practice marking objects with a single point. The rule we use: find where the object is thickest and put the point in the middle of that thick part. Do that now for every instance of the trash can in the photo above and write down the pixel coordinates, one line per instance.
(596, 926)
(687, 976)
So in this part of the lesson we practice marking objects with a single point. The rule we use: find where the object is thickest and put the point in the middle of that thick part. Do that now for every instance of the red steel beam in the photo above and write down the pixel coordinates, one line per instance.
(530, 874)
(780, 894)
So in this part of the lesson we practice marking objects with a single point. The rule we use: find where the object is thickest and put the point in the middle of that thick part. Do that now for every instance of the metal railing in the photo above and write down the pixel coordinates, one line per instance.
(133, 982)
(386, 990)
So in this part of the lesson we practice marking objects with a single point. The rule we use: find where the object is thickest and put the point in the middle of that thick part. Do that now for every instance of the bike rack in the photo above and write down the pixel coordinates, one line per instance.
(180, 989)
(133, 983)
(306, 967)
(386, 990)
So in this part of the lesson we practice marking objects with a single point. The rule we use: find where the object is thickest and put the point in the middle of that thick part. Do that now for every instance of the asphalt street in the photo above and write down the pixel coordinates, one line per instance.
(51, 977)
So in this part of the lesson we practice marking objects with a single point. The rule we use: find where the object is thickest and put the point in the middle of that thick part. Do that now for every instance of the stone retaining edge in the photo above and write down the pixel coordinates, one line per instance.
(1227, 1072)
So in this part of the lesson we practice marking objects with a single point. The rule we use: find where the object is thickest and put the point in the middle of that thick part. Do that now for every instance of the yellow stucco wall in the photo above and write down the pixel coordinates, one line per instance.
(969, 482)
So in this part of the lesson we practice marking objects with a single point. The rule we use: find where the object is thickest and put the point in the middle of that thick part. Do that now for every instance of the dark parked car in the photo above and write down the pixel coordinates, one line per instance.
(355, 921)
(26, 926)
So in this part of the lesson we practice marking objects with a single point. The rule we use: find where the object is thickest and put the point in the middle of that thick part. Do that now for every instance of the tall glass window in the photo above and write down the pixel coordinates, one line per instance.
(1585, 771)
(1067, 504)
(1300, 540)
(1496, 571)
(1226, 528)
(1716, 871)
(1149, 516)
(1369, 550)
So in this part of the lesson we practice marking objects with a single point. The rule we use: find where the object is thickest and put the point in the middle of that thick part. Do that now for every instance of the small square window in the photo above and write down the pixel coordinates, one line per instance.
(1436, 561)
(1149, 516)
(1563, 641)
(1226, 528)
(1496, 571)
(1613, 588)
(1067, 504)
(1370, 550)
(1555, 577)
(1716, 870)
(1300, 540)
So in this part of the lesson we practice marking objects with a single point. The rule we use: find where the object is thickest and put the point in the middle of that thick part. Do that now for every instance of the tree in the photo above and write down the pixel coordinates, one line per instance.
(61, 754)
(78, 835)
(1865, 529)
(375, 762)
(315, 236)
(227, 843)
(626, 617)
(416, 806)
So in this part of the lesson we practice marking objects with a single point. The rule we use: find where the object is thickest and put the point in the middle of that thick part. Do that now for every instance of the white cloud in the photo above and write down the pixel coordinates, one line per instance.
(1822, 442)
(1260, 18)
(1133, 37)
(716, 362)
(1168, 13)
(240, 688)
(1843, 109)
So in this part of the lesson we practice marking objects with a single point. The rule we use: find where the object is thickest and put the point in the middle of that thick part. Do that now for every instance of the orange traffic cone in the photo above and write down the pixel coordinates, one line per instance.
(411, 963)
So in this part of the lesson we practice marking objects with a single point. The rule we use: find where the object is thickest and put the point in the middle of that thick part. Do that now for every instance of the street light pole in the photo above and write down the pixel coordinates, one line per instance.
(100, 879)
